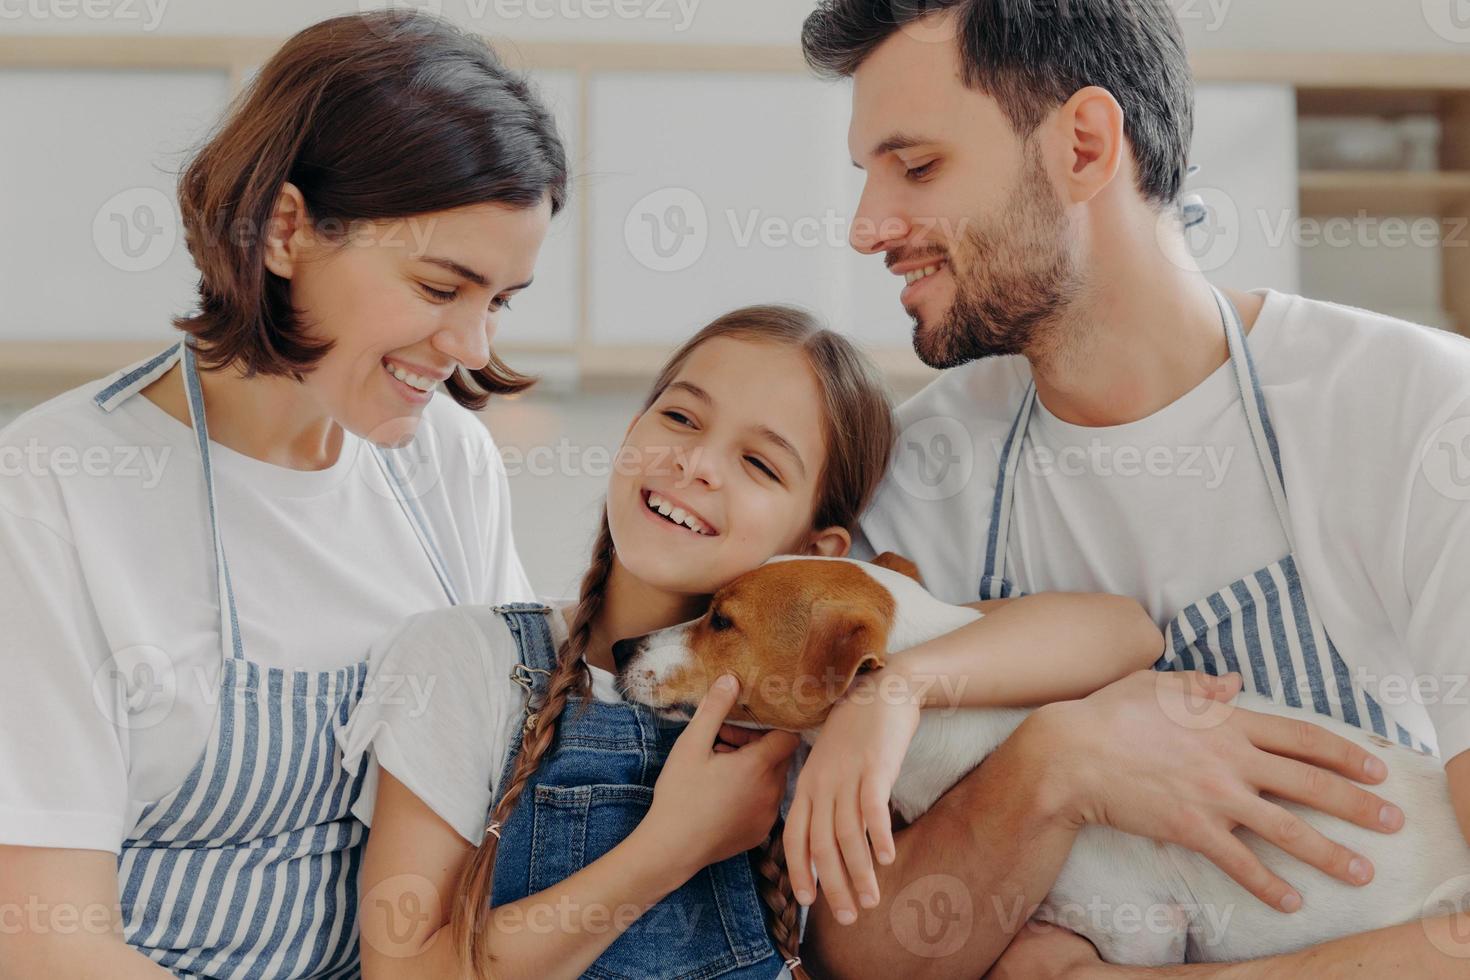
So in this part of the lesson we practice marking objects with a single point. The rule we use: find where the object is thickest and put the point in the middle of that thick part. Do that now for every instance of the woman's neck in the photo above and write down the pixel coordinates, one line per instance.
(631, 607)
(272, 419)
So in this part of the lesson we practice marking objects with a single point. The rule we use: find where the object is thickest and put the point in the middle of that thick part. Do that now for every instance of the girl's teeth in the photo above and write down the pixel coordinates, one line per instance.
(675, 514)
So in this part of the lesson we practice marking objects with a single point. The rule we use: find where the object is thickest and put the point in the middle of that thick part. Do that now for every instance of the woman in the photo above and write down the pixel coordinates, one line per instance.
(184, 644)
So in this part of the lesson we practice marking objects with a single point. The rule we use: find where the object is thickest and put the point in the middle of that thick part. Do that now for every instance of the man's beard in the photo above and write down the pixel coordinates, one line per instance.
(1019, 278)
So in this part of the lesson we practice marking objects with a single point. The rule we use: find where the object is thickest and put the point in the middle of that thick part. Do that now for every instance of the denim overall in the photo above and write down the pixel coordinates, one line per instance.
(593, 787)
(1265, 626)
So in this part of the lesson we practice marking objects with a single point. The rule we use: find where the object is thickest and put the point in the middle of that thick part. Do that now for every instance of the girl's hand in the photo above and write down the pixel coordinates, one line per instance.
(842, 794)
(708, 805)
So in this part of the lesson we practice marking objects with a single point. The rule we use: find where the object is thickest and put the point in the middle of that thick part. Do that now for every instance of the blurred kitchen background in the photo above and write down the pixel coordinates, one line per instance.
(710, 171)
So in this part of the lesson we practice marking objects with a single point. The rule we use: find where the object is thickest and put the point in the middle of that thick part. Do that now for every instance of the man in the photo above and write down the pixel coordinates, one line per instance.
(1105, 426)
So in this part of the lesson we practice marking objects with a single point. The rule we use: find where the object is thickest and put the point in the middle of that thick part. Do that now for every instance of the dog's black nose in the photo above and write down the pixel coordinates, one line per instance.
(623, 651)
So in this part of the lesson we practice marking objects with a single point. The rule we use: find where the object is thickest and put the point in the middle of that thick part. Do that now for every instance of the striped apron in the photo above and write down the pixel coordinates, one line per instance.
(1263, 626)
(249, 868)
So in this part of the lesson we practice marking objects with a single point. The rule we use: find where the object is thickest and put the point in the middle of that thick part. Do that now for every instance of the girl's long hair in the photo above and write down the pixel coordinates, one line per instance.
(859, 435)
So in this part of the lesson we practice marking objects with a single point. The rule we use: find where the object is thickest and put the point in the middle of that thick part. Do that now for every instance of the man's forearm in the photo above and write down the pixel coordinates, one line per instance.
(1429, 950)
(967, 876)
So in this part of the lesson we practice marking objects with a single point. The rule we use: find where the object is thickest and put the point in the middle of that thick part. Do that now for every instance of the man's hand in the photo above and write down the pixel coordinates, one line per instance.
(1046, 952)
(1165, 756)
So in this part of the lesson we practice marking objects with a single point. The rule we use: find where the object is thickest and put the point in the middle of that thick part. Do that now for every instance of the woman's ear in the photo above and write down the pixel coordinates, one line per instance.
(833, 542)
(284, 232)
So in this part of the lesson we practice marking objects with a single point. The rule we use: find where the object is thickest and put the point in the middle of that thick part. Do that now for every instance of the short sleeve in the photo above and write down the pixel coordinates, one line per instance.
(63, 754)
(438, 712)
(1437, 581)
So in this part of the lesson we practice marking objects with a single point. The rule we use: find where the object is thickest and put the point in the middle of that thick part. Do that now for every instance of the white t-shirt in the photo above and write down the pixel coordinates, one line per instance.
(107, 586)
(1372, 416)
(439, 711)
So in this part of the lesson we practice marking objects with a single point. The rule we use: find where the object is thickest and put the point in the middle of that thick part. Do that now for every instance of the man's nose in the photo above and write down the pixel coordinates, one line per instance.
(625, 650)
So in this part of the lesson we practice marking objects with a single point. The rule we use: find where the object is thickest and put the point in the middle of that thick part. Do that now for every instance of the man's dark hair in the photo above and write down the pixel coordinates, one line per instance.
(1033, 55)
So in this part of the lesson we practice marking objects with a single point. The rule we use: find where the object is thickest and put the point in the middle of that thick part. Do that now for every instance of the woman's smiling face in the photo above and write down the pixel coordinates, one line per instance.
(406, 303)
(734, 446)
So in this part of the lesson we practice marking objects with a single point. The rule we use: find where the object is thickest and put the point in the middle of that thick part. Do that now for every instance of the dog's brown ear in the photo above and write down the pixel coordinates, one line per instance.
(843, 638)
(894, 561)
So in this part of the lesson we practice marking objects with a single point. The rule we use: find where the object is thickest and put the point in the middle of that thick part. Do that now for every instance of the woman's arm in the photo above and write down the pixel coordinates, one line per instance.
(1052, 646)
(59, 917)
(707, 806)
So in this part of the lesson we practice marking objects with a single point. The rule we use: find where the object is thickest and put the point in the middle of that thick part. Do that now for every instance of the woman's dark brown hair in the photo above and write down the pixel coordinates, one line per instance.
(859, 433)
(372, 116)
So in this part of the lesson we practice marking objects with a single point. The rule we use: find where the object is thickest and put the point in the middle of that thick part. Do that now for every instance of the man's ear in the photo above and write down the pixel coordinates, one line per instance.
(1093, 143)
(842, 638)
(893, 561)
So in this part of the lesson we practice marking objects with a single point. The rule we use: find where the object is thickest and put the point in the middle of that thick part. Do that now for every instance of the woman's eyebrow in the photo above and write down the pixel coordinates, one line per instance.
(466, 272)
(764, 431)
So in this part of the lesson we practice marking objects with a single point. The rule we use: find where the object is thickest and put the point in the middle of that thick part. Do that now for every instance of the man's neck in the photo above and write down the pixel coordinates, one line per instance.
(1145, 332)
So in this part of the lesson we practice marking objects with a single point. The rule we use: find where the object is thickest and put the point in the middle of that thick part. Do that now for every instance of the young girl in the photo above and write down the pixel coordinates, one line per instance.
(616, 845)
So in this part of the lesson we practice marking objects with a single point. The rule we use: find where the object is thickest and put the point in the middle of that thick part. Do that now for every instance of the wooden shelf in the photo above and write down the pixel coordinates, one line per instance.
(1349, 192)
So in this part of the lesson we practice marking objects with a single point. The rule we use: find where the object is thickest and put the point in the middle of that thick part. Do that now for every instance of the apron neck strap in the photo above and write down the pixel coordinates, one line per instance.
(1252, 400)
(229, 619)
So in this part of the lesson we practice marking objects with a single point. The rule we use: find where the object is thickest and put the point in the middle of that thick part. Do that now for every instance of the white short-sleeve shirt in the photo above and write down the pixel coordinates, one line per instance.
(439, 711)
(107, 589)
(1372, 416)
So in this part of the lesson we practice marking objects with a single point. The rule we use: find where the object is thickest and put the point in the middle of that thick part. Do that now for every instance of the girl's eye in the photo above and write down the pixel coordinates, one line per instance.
(499, 304)
(719, 623)
(679, 417)
(440, 295)
(916, 173)
(755, 461)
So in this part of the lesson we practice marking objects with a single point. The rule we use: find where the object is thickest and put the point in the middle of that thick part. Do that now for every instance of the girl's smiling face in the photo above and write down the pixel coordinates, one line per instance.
(735, 446)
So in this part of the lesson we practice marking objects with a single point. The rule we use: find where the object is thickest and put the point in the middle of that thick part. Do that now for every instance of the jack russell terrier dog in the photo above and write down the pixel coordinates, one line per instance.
(816, 622)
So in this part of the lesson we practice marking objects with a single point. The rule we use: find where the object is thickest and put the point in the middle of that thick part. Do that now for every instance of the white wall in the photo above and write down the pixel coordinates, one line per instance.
(1315, 25)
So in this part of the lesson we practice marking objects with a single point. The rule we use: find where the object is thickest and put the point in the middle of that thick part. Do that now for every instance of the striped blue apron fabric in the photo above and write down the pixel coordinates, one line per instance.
(249, 867)
(1263, 626)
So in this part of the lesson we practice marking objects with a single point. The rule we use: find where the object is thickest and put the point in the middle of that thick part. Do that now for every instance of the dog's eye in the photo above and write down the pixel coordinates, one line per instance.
(719, 623)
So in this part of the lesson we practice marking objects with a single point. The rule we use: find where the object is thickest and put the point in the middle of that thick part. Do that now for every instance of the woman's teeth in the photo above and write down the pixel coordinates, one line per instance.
(917, 274)
(409, 378)
(676, 514)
